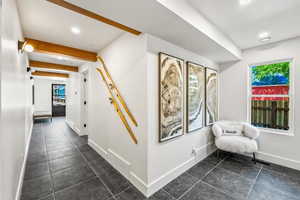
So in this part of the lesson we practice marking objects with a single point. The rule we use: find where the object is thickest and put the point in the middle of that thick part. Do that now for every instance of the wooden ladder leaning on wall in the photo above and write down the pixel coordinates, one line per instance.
(113, 91)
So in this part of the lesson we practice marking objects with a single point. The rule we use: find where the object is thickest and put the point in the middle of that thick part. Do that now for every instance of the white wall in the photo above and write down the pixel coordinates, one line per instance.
(43, 92)
(169, 159)
(133, 64)
(16, 112)
(275, 148)
(73, 104)
(126, 60)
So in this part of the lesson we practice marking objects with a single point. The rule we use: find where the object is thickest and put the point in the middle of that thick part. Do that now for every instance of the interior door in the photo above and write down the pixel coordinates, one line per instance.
(58, 100)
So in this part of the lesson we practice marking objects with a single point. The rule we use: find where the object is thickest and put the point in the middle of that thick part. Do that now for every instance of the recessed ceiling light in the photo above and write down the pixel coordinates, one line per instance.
(245, 2)
(264, 36)
(59, 57)
(75, 30)
(28, 48)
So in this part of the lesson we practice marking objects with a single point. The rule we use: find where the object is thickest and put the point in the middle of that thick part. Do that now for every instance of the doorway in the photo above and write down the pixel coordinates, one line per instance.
(58, 100)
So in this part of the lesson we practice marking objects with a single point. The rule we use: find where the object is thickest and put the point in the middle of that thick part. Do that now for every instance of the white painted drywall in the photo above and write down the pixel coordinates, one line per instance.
(16, 103)
(133, 64)
(276, 148)
(43, 92)
(73, 105)
(126, 61)
(169, 159)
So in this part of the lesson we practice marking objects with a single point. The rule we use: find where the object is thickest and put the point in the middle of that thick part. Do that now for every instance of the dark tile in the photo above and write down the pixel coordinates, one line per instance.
(33, 149)
(181, 184)
(63, 153)
(215, 159)
(84, 148)
(113, 179)
(36, 170)
(100, 166)
(66, 162)
(245, 169)
(89, 190)
(58, 146)
(38, 157)
(285, 184)
(244, 159)
(50, 197)
(202, 191)
(201, 169)
(229, 182)
(161, 195)
(36, 188)
(71, 176)
(79, 141)
(131, 194)
(89, 153)
(283, 170)
(262, 192)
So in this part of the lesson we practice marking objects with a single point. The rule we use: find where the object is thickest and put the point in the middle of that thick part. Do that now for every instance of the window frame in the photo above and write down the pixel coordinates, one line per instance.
(289, 132)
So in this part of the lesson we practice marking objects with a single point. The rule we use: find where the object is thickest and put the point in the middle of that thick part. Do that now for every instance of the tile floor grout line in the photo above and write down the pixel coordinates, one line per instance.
(167, 193)
(88, 164)
(255, 180)
(200, 178)
(219, 190)
(50, 172)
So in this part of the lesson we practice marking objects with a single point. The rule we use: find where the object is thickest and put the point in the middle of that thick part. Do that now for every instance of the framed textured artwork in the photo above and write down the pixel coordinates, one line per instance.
(195, 109)
(211, 96)
(170, 97)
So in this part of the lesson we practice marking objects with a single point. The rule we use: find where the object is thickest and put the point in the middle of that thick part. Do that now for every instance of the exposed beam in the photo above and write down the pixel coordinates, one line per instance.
(46, 65)
(95, 16)
(51, 74)
(56, 49)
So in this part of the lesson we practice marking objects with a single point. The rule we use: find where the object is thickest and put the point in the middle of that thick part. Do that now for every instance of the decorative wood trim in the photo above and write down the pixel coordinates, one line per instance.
(95, 16)
(46, 65)
(51, 74)
(56, 49)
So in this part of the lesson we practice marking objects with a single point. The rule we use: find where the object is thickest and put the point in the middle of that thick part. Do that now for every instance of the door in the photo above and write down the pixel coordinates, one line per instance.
(58, 100)
(85, 103)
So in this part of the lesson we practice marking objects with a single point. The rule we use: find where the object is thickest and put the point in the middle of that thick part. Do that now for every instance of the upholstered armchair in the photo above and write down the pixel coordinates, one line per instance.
(236, 137)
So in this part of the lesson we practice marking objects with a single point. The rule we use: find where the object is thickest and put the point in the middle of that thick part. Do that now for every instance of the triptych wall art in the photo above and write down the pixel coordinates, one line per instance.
(200, 99)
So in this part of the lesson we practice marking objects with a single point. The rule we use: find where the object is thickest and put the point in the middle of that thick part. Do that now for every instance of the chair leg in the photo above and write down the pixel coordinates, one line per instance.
(218, 154)
(254, 158)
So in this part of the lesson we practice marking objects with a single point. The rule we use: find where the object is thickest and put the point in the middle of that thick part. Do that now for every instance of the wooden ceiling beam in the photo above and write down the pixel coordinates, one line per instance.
(46, 65)
(95, 16)
(56, 49)
(51, 74)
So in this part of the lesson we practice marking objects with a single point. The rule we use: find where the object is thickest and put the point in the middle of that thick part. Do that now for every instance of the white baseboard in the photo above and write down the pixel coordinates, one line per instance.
(201, 153)
(22, 173)
(124, 167)
(279, 160)
(74, 128)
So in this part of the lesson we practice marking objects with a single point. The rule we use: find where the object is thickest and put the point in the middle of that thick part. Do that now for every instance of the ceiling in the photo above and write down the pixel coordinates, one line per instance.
(45, 21)
(243, 23)
(56, 59)
(212, 28)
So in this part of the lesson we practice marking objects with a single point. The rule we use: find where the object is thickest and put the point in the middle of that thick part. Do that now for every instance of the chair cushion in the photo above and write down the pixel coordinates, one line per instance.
(231, 128)
(236, 144)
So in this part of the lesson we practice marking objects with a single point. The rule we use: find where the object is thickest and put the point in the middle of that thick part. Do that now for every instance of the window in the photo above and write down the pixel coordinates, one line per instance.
(270, 96)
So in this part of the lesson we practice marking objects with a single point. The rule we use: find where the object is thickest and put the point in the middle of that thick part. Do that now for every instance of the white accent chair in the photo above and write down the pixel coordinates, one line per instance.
(236, 137)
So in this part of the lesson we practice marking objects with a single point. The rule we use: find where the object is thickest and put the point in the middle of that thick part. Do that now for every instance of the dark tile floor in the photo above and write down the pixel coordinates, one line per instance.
(61, 166)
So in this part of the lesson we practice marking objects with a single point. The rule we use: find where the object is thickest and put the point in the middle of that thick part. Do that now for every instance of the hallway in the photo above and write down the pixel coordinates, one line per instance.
(61, 166)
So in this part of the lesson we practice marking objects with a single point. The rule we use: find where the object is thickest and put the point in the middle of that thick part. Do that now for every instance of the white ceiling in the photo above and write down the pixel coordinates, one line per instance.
(55, 59)
(43, 20)
(48, 22)
(243, 23)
